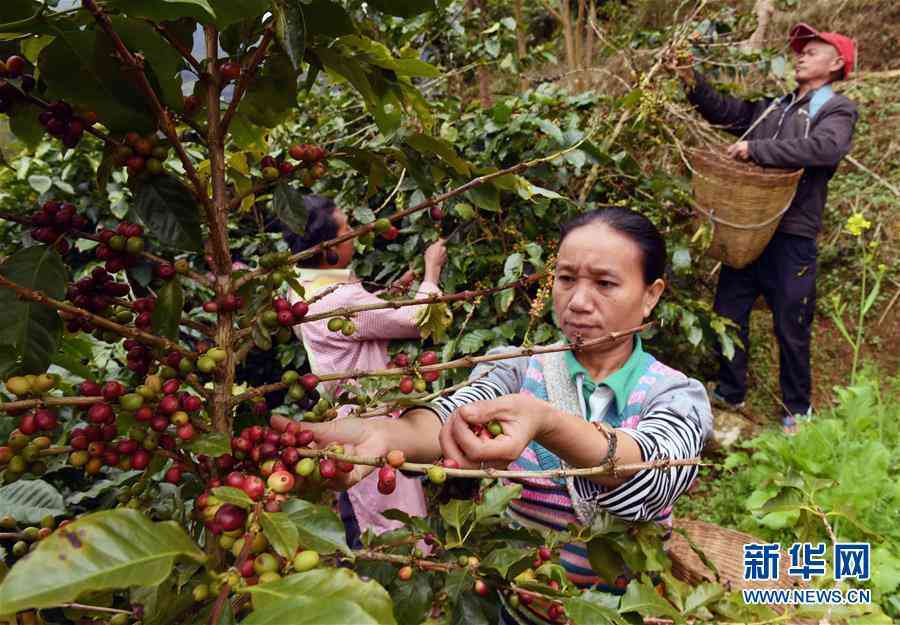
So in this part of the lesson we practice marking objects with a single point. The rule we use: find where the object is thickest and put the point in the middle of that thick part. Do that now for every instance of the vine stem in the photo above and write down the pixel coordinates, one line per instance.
(466, 361)
(347, 311)
(416, 467)
(97, 320)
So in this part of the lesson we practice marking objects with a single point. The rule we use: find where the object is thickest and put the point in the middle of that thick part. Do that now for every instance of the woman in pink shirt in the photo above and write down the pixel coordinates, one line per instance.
(365, 349)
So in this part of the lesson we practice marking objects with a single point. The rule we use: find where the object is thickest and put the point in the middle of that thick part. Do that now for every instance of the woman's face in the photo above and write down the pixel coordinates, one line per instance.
(344, 250)
(599, 284)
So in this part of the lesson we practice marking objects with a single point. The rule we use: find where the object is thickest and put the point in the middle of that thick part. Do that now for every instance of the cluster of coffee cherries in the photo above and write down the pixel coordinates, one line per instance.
(120, 248)
(97, 293)
(344, 325)
(160, 407)
(53, 221)
(310, 158)
(60, 121)
(418, 383)
(21, 540)
(261, 565)
(303, 387)
(141, 154)
(12, 68)
(22, 453)
(284, 314)
(230, 302)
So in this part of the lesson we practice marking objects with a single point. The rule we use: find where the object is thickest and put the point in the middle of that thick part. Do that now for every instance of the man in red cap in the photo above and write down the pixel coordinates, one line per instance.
(812, 129)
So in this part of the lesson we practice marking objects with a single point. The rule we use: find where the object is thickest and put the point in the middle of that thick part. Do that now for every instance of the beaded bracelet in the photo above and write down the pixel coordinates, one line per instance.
(612, 442)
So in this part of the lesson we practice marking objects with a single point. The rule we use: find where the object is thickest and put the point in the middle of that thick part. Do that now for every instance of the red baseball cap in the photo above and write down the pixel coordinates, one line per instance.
(801, 34)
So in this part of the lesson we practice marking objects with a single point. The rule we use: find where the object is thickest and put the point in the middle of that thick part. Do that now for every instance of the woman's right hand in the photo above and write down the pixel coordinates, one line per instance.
(435, 259)
(358, 437)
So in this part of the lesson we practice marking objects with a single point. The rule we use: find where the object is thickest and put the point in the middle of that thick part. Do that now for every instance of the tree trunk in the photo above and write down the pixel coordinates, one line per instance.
(764, 10)
(520, 43)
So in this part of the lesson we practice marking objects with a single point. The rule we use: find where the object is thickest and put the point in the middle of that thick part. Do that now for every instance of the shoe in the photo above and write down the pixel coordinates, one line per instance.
(720, 402)
(790, 424)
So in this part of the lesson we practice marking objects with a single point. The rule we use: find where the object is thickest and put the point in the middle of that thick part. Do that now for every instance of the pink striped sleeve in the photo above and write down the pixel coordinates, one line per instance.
(389, 323)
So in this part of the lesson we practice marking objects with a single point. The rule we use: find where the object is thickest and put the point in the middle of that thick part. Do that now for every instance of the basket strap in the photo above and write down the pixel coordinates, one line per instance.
(711, 216)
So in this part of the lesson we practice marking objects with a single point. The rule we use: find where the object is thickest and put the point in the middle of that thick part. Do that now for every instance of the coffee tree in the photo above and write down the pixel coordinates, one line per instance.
(160, 493)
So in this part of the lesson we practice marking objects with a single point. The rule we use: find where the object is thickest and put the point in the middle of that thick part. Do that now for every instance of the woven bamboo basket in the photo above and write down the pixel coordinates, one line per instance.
(725, 549)
(744, 202)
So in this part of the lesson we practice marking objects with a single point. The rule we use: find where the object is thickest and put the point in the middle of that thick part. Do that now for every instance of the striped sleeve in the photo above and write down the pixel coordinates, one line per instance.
(673, 428)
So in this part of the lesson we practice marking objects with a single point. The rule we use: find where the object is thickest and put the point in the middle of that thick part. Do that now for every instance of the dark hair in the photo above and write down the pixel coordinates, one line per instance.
(320, 226)
(634, 226)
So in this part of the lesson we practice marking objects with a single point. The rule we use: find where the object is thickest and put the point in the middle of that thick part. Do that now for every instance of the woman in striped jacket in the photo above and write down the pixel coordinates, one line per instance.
(565, 409)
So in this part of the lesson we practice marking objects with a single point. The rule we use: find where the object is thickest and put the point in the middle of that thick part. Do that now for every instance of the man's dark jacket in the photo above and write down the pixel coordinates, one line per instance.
(788, 138)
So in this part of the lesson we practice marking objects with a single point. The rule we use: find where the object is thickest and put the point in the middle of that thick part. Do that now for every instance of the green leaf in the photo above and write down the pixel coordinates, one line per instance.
(456, 512)
(168, 209)
(162, 602)
(162, 62)
(79, 67)
(234, 496)
(290, 29)
(318, 526)
(166, 317)
(310, 611)
(327, 586)
(212, 444)
(495, 500)
(641, 597)
(31, 329)
(485, 197)
(273, 95)
(231, 11)
(604, 559)
(594, 608)
(23, 121)
(40, 183)
(501, 560)
(160, 10)
(281, 533)
(433, 321)
(105, 550)
(412, 599)
(425, 144)
(30, 500)
(473, 610)
(327, 19)
(702, 595)
(288, 204)
(403, 8)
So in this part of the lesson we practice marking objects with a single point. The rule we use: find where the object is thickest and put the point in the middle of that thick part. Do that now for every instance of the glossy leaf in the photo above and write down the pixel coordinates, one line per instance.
(412, 598)
(212, 444)
(496, 499)
(166, 317)
(281, 533)
(234, 496)
(287, 202)
(328, 586)
(290, 28)
(105, 550)
(326, 18)
(28, 501)
(594, 608)
(642, 598)
(501, 560)
(318, 526)
(169, 211)
(31, 329)
(77, 67)
(310, 611)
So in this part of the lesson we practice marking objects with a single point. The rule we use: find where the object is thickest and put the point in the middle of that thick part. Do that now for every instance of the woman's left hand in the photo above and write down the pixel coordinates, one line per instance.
(521, 416)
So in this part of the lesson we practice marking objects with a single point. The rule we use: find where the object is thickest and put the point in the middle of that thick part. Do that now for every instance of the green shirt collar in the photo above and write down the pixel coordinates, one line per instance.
(620, 382)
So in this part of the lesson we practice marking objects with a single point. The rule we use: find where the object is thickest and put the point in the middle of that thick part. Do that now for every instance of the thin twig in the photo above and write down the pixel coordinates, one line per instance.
(97, 320)
(247, 75)
(466, 361)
